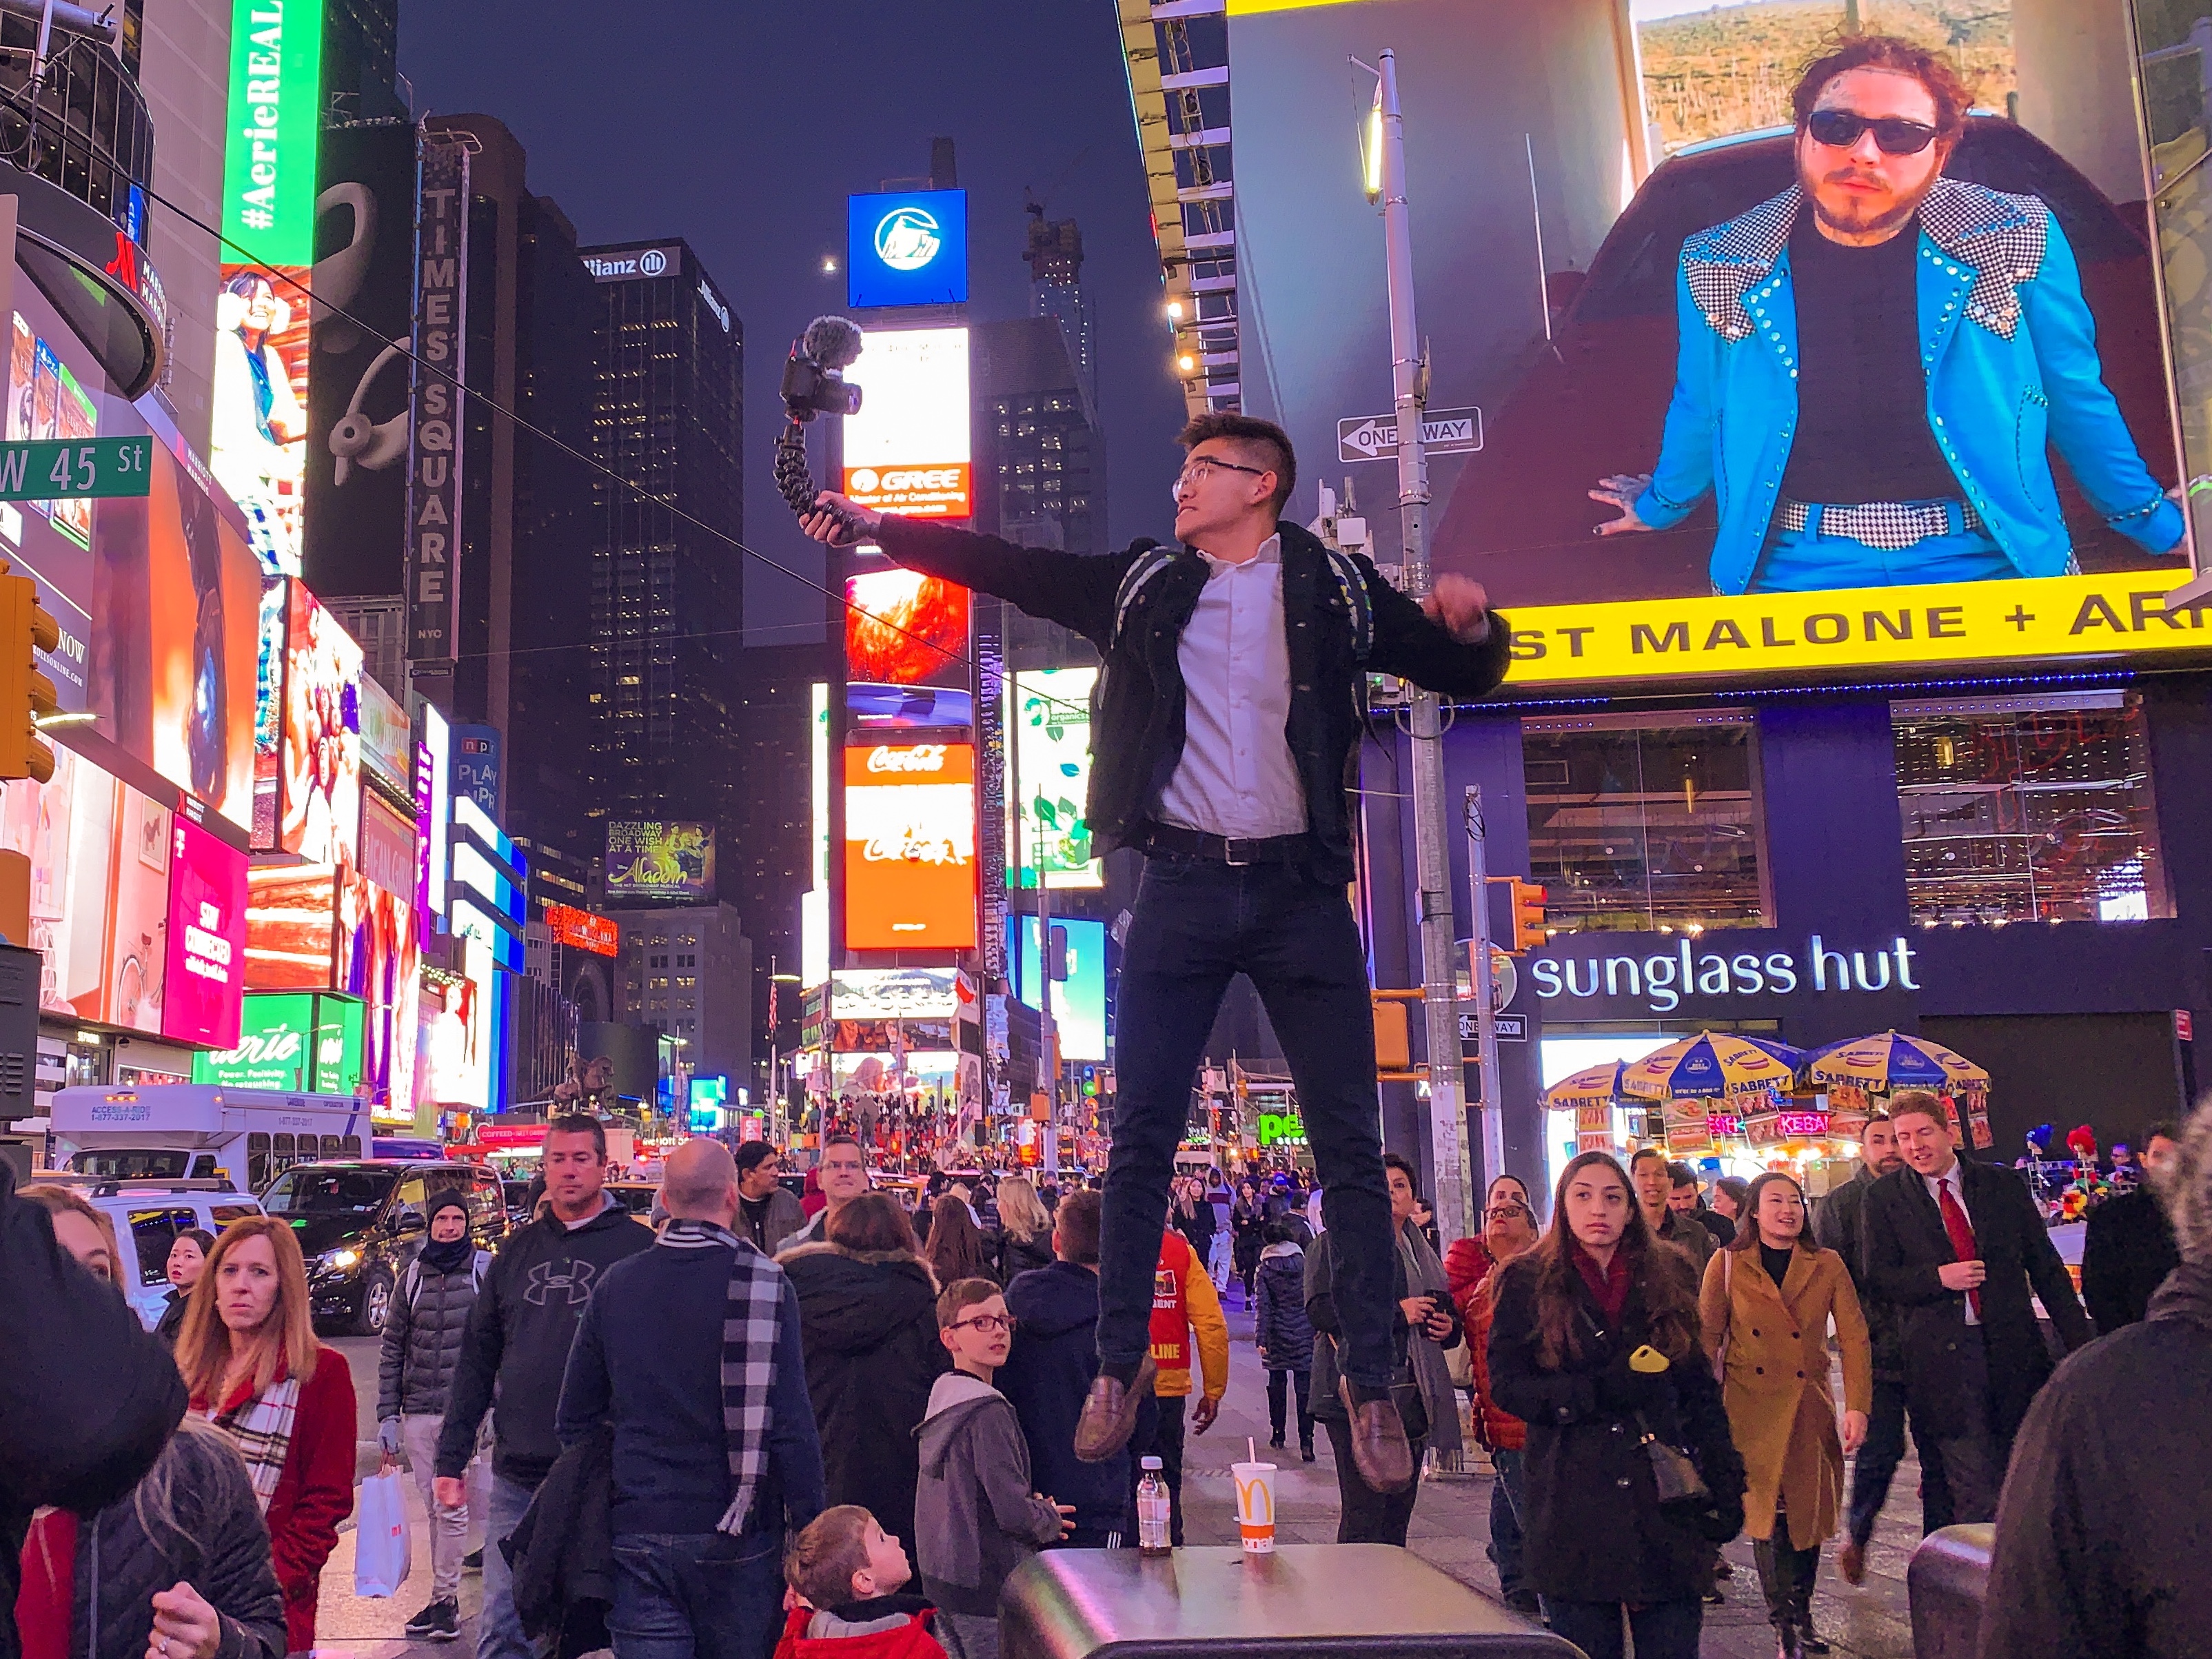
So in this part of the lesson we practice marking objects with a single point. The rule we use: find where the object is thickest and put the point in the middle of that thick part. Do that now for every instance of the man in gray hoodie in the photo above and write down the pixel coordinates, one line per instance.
(975, 1518)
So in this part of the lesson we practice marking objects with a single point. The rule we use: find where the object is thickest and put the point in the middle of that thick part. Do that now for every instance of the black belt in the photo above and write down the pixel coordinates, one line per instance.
(1222, 849)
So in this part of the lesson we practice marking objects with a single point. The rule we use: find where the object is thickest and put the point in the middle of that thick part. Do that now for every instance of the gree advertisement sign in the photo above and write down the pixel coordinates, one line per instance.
(907, 450)
(305, 1042)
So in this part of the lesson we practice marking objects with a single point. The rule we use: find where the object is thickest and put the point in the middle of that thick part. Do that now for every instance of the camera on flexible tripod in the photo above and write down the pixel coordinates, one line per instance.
(814, 384)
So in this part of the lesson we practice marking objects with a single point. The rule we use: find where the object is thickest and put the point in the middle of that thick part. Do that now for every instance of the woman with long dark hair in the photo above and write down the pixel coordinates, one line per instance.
(955, 1247)
(1247, 1222)
(1595, 1346)
(1768, 1297)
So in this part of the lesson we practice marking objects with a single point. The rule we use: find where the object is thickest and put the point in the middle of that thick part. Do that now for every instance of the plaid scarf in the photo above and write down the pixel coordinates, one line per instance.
(260, 1426)
(750, 1329)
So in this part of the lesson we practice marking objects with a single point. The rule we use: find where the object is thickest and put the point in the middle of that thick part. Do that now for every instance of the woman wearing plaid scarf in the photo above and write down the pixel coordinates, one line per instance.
(250, 1358)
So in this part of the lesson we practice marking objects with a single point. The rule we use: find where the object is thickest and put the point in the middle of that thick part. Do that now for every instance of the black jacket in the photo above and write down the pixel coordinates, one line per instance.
(193, 1518)
(88, 1394)
(1283, 1329)
(2126, 1253)
(1835, 1227)
(518, 1337)
(1197, 1228)
(1138, 730)
(2100, 1534)
(1016, 1256)
(562, 1551)
(1593, 1527)
(1903, 1245)
(1054, 1357)
(868, 1322)
(422, 1336)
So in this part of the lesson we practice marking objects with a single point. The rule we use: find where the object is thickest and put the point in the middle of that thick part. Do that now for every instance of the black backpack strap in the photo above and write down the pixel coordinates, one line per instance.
(1151, 559)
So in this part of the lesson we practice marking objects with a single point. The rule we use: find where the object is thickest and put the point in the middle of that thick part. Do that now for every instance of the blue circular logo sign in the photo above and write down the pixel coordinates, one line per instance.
(907, 237)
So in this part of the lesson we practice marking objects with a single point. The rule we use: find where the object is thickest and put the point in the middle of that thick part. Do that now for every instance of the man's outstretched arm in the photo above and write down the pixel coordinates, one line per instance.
(1075, 590)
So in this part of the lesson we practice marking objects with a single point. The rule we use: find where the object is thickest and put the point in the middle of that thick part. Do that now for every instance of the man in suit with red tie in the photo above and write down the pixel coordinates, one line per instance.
(1954, 1247)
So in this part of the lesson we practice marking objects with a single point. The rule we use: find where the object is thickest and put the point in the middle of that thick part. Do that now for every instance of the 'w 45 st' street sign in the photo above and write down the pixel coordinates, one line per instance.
(61, 469)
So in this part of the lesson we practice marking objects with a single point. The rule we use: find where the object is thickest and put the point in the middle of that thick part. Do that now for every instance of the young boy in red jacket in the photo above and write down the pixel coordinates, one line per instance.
(845, 1573)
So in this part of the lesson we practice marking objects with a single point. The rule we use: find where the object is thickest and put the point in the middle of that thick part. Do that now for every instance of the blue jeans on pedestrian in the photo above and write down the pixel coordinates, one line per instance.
(696, 1596)
(499, 1629)
(1509, 1495)
(1197, 925)
(1875, 1466)
(1664, 1629)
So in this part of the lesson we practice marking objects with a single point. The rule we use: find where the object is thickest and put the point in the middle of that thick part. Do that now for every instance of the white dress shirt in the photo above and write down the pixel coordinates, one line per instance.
(1935, 1184)
(1236, 777)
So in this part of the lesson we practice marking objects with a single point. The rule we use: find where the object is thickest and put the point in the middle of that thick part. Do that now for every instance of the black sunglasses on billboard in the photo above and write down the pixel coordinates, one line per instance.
(1839, 129)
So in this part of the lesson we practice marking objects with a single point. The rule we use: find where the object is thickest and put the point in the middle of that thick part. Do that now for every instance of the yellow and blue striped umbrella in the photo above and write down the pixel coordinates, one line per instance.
(1593, 1085)
(1712, 1064)
(1889, 1060)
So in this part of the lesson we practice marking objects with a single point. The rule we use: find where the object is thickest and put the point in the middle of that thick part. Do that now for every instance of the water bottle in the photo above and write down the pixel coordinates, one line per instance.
(1154, 1512)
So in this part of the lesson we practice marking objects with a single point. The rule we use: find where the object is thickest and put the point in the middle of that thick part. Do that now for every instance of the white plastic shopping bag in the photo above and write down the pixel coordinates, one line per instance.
(381, 1536)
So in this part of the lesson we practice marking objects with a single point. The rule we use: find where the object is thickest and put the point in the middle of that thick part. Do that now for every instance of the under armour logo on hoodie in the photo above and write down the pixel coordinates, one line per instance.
(550, 1280)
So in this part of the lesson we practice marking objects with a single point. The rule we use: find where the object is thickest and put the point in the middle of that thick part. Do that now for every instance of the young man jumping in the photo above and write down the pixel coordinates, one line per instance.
(1228, 707)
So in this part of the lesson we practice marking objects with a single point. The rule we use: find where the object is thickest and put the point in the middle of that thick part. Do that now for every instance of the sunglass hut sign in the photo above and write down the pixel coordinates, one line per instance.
(1663, 980)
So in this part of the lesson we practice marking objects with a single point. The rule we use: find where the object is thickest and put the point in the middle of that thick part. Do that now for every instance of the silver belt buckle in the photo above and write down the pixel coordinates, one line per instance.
(1229, 854)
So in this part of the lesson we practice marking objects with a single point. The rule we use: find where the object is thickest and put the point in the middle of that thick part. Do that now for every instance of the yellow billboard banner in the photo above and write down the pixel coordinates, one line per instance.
(2041, 621)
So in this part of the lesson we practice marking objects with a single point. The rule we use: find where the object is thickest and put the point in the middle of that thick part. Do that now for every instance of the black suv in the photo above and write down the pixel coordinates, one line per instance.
(359, 1223)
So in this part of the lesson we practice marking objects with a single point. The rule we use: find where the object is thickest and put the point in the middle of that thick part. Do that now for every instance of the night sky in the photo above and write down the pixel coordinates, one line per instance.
(742, 127)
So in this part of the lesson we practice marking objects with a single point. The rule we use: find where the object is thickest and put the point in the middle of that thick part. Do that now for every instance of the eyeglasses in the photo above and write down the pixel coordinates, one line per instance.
(988, 1324)
(1195, 473)
(1504, 1211)
(1839, 129)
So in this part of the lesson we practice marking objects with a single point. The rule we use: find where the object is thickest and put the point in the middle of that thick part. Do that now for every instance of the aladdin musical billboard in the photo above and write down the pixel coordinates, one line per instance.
(1867, 380)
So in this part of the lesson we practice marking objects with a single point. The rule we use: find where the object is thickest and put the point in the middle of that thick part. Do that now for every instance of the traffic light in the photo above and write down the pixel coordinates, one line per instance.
(27, 696)
(1528, 930)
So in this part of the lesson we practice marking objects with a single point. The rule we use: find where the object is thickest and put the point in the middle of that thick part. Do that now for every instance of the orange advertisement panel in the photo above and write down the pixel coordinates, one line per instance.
(910, 871)
(943, 491)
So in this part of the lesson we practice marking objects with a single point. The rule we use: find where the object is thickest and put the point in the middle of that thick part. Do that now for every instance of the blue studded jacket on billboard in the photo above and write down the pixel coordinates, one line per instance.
(2008, 347)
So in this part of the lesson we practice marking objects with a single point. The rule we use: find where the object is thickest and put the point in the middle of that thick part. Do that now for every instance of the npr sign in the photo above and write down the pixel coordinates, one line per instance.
(1685, 970)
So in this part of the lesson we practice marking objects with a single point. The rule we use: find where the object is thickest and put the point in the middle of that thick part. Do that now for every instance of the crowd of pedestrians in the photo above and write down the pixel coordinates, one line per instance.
(1650, 1378)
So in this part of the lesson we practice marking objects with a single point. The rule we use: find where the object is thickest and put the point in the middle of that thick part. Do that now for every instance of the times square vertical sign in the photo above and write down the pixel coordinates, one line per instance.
(434, 458)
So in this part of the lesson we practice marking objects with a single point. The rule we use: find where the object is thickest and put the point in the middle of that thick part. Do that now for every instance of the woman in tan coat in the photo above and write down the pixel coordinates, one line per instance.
(1767, 1301)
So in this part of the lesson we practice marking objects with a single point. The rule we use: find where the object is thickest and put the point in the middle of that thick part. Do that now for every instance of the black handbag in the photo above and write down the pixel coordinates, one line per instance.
(1675, 1474)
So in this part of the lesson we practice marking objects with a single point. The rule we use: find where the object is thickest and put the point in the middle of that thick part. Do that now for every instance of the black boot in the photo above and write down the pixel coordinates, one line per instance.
(1800, 1599)
(1787, 1645)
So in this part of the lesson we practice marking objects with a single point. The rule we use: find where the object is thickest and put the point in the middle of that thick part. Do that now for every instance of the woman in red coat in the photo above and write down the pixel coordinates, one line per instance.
(1508, 1230)
(250, 1358)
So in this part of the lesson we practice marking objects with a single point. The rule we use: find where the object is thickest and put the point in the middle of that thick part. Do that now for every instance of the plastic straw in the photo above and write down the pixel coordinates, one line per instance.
(1251, 1449)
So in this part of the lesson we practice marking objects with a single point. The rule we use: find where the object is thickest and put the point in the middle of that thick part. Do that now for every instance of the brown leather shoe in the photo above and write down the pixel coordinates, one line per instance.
(1379, 1448)
(1109, 1413)
(1851, 1561)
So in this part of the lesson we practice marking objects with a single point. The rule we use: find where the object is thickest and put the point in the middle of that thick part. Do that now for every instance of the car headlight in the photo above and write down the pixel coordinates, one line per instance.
(340, 1259)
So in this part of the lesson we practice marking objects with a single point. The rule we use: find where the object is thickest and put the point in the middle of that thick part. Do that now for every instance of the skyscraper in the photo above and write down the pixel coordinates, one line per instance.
(1042, 458)
(666, 586)
(1056, 256)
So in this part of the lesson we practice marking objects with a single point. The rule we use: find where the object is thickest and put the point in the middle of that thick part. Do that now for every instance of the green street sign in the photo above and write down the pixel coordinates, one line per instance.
(51, 469)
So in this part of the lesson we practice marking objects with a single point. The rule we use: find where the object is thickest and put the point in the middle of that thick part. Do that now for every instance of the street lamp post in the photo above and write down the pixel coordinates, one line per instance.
(1454, 1200)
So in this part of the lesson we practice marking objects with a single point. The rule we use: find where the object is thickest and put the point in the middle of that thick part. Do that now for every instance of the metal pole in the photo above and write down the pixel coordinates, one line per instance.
(1486, 1018)
(1453, 1197)
(1536, 215)
(1047, 1048)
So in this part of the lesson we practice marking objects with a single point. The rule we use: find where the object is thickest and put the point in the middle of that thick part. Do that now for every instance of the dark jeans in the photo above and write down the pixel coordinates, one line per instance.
(1166, 1444)
(499, 1628)
(1280, 1385)
(1509, 1495)
(1875, 1466)
(1197, 925)
(1665, 1630)
(696, 1596)
(1973, 1457)
(1786, 1575)
(1365, 1515)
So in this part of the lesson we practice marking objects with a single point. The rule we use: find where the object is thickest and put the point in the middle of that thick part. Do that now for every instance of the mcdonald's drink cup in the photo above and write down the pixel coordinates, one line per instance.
(1255, 1506)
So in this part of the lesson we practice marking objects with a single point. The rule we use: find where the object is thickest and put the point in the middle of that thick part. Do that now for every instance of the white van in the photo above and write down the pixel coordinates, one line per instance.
(202, 1131)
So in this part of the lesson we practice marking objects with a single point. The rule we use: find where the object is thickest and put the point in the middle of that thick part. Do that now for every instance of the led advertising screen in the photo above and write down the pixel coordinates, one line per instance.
(894, 993)
(433, 812)
(905, 248)
(387, 741)
(291, 919)
(910, 868)
(258, 446)
(455, 1038)
(567, 925)
(380, 962)
(1052, 764)
(387, 845)
(320, 756)
(290, 1043)
(660, 861)
(206, 972)
(903, 629)
(98, 851)
(1079, 1002)
(907, 451)
(1818, 405)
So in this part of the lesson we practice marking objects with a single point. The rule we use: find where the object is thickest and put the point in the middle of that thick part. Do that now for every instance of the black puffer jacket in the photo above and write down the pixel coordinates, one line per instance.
(868, 1322)
(423, 1337)
(1015, 1255)
(193, 1518)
